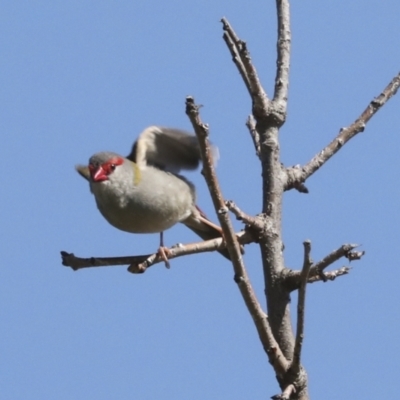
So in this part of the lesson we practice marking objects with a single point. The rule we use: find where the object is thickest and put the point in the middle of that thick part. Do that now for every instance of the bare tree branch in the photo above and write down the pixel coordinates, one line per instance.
(330, 275)
(201, 130)
(251, 126)
(253, 222)
(268, 122)
(292, 278)
(233, 44)
(283, 49)
(242, 60)
(301, 305)
(140, 263)
(299, 174)
(260, 319)
(344, 251)
(70, 260)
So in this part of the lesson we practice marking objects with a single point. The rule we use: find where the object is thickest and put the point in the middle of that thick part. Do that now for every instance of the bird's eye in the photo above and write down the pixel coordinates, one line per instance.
(112, 164)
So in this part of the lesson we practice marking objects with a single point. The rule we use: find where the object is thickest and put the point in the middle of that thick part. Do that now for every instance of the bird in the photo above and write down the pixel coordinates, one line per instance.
(144, 192)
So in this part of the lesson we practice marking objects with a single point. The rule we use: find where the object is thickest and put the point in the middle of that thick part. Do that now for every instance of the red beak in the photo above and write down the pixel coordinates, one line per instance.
(98, 175)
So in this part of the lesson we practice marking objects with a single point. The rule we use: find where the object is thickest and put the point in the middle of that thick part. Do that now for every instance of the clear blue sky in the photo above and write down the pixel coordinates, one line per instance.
(84, 76)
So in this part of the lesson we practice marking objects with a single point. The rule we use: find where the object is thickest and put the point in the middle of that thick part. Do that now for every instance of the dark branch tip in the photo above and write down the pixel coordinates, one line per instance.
(301, 188)
(223, 210)
(362, 127)
(66, 260)
(238, 279)
(242, 45)
(354, 255)
(229, 203)
(191, 106)
(323, 276)
(137, 268)
(376, 103)
(65, 256)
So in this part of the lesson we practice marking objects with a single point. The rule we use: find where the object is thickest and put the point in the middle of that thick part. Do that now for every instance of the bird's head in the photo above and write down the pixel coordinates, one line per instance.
(100, 167)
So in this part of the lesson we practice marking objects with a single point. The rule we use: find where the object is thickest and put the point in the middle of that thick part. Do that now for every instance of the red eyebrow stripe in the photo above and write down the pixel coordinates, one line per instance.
(116, 161)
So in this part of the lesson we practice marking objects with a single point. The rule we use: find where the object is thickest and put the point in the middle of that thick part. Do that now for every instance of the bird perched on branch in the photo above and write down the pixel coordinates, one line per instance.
(143, 193)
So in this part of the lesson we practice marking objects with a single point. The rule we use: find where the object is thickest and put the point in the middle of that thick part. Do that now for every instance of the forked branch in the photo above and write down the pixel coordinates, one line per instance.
(292, 279)
(241, 58)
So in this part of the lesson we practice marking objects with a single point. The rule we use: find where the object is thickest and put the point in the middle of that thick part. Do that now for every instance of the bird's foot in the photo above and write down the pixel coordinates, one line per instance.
(163, 253)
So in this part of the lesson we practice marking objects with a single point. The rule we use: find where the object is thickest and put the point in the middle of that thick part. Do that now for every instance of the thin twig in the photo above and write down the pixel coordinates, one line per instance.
(246, 68)
(297, 174)
(292, 278)
(330, 275)
(236, 58)
(253, 222)
(141, 262)
(251, 126)
(70, 260)
(283, 59)
(301, 306)
(241, 277)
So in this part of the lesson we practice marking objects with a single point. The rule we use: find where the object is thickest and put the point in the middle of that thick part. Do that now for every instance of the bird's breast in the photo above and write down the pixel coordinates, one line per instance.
(153, 202)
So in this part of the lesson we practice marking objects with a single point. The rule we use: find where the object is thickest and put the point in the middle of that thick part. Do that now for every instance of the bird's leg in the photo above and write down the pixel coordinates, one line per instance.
(163, 251)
